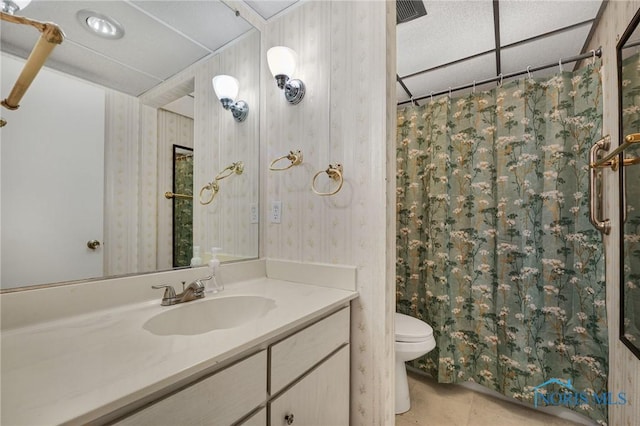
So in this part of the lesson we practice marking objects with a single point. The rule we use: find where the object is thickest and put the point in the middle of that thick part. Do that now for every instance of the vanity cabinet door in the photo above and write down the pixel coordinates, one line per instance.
(221, 399)
(320, 398)
(293, 356)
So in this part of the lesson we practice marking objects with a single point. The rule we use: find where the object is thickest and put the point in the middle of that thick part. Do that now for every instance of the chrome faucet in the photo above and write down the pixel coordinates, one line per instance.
(193, 291)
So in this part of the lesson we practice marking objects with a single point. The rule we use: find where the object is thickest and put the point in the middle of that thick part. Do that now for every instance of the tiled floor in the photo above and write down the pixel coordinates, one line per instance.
(435, 404)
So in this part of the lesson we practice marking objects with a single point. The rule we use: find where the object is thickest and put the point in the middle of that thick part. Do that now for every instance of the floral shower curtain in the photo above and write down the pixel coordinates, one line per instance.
(495, 247)
(183, 211)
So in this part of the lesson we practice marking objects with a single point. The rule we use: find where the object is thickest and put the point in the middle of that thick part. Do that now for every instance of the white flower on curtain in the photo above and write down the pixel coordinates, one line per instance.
(495, 247)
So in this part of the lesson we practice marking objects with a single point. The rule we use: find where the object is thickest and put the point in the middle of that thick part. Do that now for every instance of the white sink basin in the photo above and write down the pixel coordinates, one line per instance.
(203, 316)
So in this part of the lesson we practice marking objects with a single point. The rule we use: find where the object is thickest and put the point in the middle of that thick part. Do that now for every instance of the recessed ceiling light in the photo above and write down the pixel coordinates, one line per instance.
(100, 24)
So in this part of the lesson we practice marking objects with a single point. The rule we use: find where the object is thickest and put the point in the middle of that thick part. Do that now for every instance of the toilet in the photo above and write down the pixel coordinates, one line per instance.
(414, 338)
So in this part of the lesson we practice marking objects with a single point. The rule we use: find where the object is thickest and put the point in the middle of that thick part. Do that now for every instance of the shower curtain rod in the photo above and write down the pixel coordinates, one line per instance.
(597, 52)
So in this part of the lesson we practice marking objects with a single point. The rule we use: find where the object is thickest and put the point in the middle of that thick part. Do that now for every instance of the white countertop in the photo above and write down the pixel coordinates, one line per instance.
(81, 368)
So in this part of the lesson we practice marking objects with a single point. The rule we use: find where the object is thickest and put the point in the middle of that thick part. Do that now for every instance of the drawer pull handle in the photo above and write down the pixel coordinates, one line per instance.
(289, 419)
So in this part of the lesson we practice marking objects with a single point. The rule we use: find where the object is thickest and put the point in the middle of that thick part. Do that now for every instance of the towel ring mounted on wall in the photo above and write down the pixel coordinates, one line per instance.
(213, 187)
(294, 156)
(335, 173)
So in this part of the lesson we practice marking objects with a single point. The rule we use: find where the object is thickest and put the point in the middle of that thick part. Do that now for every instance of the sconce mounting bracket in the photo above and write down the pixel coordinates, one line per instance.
(294, 91)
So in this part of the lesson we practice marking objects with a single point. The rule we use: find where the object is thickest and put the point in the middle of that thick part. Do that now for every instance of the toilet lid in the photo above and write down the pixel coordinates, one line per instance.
(409, 329)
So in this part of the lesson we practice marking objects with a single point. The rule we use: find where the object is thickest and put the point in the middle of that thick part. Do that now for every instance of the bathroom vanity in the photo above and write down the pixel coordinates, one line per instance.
(303, 378)
(276, 348)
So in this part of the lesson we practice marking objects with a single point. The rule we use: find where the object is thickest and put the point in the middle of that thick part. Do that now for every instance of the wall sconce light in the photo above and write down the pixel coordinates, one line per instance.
(226, 88)
(12, 6)
(282, 63)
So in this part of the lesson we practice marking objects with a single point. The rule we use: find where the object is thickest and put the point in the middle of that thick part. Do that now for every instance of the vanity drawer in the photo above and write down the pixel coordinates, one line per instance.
(258, 419)
(220, 399)
(296, 354)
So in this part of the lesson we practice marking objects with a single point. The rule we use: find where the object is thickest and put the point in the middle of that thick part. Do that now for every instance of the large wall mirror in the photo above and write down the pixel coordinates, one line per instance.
(629, 89)
(88, 157)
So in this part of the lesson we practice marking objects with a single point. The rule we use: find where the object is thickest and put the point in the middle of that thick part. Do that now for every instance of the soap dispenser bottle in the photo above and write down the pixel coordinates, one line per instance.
(196, 260)
(214, 285)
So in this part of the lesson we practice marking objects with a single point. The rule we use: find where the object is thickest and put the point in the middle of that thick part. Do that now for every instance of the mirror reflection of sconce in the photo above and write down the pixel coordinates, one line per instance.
(226, 88)
(282, 63)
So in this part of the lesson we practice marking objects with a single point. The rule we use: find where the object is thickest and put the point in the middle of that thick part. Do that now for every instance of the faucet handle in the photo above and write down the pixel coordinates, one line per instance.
(169, 291)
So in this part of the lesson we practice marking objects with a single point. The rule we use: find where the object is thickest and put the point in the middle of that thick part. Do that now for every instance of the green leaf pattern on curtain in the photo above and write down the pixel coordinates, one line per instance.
(631, 124)
(183, 212)
(495, 247)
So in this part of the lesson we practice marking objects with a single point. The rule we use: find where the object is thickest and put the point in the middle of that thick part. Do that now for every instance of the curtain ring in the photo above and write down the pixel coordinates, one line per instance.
(593, 59)
(294, 156)
(474, 87)
(431, 94)
(560, 65)
(335, 173)
(501, 77)
(529, 71)
(211, 186)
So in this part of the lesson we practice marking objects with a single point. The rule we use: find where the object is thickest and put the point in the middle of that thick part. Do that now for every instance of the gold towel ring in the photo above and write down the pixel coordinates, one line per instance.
(211, 186)
(294, 156)
(335, 172)
(237, 168)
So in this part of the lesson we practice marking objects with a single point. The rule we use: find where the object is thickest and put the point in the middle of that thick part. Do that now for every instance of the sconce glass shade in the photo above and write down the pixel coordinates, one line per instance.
(12, 6)
(282, 61)
(226, 87)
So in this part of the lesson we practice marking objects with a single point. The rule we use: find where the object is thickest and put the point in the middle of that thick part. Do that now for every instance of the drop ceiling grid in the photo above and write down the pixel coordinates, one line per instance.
(269, 8)
(100, 70)
(157, 50)
(451, 30)
(520, 20)
(401, 95)
(78, 61)
(211, 23)
(545, 50)
(458, 74)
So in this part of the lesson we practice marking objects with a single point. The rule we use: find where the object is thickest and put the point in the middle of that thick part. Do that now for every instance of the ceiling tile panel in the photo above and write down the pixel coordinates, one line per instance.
(156, 51)
(546, 50)
(451, 30)
(267, 9)
(95, 68)
(459, 74)
(520, 20)
(211, 23)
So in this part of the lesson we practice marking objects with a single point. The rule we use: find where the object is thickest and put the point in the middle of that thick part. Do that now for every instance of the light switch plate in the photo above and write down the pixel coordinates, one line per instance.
(255, 215)
(276, 211)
